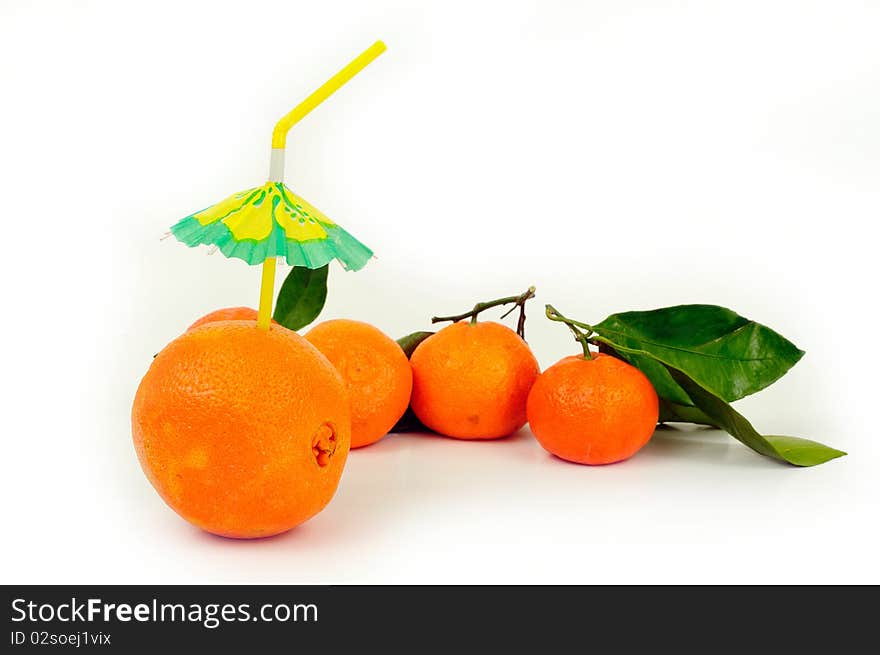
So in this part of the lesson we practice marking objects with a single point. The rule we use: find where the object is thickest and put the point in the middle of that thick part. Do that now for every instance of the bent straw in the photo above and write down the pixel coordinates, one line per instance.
(276, 161)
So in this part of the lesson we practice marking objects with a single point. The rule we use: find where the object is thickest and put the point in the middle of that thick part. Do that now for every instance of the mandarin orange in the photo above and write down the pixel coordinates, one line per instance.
(471, 380)
(376, 372)
(592, 411)
(227, 314)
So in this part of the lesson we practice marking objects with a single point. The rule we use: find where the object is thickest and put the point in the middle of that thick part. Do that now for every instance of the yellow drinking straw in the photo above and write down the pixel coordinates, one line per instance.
(276, 161)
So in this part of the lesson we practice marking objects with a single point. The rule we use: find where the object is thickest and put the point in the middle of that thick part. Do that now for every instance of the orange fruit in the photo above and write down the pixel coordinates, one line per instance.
(227, 314)
(593, 411)
(243, 432)
(471, 381)
(376, 372)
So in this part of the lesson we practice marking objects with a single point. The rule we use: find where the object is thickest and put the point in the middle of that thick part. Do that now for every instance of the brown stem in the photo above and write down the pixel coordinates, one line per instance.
(518, 301)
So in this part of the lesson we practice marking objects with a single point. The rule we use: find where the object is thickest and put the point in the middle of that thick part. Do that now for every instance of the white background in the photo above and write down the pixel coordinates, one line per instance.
(617, 155)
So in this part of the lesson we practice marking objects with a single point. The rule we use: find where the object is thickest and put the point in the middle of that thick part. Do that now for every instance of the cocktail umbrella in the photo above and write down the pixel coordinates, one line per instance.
(270, 221)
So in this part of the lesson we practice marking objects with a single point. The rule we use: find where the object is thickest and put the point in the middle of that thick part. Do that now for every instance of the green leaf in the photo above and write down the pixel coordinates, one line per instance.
(411, 341)
(794, 450)
(673, 413)
(726, 354)
(301, 297)
(714, 410)
(666, 387)
(409, 422)
(663, 383)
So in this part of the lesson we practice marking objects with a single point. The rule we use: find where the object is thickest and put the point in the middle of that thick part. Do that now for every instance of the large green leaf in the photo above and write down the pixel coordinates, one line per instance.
(794, 450)
(301, 297)
(666, 387)
(726, 354)
(673, 413)
(710, 409)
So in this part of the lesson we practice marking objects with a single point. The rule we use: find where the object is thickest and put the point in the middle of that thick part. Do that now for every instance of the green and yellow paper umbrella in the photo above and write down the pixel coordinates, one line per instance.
(270, 221)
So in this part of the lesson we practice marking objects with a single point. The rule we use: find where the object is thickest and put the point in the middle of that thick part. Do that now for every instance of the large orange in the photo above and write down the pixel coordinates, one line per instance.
(376, 372)
(243, 432)
(227, 314)
(471, 381)
(593, 411)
